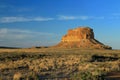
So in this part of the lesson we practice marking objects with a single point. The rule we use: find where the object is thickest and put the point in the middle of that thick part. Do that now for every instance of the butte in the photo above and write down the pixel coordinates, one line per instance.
(81, 37)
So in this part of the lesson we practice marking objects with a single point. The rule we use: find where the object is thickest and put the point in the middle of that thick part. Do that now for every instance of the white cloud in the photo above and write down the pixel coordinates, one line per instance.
(12, 34)
(42, 19)
(22, 19)
(63, 17)
(20, 34)
(25, 38)
(3, 31)
(100, 17)
(84, 17)
(60, 17)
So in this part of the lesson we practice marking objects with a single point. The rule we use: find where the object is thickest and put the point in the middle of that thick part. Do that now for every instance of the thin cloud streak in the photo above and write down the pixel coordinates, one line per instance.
(23, 19)
(63, 17)
(39, 19)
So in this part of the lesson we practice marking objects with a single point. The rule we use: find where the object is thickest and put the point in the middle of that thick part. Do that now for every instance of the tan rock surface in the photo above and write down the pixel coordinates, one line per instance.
(81, 37)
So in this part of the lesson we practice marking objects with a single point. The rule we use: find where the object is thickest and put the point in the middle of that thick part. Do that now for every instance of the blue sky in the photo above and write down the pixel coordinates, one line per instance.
(26, 23)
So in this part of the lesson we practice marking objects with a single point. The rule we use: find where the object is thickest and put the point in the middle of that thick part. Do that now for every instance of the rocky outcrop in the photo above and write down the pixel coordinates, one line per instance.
(81, 37)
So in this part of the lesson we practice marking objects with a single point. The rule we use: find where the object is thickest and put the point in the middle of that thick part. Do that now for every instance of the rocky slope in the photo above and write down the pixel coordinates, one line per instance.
(81, 37)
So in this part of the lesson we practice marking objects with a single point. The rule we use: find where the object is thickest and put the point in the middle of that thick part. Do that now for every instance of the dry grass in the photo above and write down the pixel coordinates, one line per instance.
(51, 63)
(17, 76)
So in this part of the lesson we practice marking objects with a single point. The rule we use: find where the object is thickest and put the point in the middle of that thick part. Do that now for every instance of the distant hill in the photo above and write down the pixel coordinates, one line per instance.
(37, 47)
(4, 47)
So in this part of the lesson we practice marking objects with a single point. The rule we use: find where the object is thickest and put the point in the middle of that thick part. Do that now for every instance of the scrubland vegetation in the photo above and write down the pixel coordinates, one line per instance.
(57, 64)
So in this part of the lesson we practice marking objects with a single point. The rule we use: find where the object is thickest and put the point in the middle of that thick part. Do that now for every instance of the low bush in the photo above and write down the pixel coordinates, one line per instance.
(87, 76)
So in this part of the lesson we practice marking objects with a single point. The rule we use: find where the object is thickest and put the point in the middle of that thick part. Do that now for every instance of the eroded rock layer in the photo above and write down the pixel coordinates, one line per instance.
(81, 37)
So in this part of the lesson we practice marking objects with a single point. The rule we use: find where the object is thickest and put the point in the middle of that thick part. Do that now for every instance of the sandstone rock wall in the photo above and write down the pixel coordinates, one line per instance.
(81, 37)
(78, 34)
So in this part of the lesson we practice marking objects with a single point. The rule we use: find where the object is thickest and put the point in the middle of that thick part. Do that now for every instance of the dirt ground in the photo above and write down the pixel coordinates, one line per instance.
(113, 76)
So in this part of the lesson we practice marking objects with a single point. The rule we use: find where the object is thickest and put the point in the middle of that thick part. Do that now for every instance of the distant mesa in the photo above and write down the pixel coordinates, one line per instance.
(4, 47)
(38, 47)
(81, 37)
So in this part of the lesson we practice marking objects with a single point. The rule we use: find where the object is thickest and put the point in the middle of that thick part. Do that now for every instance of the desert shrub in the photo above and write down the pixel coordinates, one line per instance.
(15, 56)
(1, 78)
(17, 76)
(87, 76)
(101, 58)
(27, 76)
(32, 76)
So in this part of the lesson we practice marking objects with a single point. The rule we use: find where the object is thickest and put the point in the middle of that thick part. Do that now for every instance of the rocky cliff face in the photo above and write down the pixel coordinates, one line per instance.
(81, 37)
(78, 34)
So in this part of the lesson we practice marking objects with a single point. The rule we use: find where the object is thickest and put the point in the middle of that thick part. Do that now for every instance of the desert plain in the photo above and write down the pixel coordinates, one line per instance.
(58, 64)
